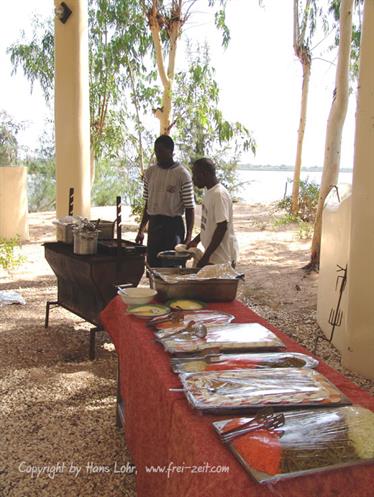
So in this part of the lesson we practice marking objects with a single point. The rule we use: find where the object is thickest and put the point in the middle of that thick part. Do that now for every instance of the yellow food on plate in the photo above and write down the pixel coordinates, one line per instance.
(148, 310)
(186, 305)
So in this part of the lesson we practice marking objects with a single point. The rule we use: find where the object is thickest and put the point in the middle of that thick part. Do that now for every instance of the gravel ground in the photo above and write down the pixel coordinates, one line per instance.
(58, 408)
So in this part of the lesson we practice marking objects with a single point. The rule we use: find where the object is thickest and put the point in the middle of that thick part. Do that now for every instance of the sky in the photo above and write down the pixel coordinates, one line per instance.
(259, 78)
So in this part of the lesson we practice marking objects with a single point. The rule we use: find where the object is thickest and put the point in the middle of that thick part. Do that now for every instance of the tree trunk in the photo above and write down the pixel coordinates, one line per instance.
(306, 62)
(335, 124)
(174, 27)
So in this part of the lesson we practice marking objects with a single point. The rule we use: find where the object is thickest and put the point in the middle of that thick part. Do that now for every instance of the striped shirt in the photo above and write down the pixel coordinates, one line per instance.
(169, 191)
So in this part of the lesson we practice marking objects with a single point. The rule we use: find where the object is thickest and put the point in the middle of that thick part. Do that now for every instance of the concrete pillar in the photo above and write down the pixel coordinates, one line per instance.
(72, 113)
(359, 355)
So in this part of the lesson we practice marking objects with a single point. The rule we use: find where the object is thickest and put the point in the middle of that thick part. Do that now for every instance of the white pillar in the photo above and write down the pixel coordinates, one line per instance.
(359, 354)
(72, 114)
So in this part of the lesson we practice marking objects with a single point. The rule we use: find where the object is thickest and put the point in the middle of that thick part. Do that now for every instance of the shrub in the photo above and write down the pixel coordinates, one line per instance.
(308, 200)
(9, 253)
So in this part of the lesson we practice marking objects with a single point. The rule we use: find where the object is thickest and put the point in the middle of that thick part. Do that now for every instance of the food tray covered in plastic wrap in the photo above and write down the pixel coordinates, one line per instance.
(248, 389)
(222, 362)
(228, 337)
(178, 320)
(309, 441)
(183, 283)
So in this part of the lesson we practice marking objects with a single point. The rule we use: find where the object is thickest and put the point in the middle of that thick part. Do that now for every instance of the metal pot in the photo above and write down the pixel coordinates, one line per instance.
(85, 242)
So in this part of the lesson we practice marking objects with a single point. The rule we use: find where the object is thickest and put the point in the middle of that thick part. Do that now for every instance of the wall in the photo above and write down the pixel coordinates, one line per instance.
(13, 202)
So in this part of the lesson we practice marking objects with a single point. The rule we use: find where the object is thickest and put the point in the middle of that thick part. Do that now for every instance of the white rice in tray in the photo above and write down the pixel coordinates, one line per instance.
(360, 422)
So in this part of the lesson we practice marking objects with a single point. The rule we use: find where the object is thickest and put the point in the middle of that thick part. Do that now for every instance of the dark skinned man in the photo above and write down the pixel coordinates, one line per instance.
(168, 193)
(217, 232)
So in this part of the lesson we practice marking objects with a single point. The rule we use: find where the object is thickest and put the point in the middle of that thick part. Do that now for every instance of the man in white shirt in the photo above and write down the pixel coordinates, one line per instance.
(168, 194)
(217, 230)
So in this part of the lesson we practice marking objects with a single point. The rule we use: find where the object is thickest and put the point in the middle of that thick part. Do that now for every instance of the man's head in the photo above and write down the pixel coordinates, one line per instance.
(164, 148)
(204, 173)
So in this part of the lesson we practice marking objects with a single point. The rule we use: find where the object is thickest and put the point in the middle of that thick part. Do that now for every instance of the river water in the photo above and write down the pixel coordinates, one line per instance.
(269, 186)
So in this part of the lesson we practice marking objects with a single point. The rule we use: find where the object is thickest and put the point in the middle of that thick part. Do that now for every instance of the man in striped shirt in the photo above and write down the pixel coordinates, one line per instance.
(168, 194)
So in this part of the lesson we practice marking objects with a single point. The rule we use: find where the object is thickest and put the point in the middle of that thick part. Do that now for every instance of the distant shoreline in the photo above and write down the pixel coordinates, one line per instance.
(313, 169)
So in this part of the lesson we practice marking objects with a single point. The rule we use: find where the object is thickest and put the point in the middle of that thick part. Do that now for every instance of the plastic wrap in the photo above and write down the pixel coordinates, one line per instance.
(213, 271)
(220, 391)
(208, 317)
(222, 362)
(11, 297)
(235, 337)
(310, 441)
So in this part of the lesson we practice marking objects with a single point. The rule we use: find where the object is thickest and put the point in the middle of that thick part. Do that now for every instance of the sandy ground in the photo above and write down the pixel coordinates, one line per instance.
(59, 408)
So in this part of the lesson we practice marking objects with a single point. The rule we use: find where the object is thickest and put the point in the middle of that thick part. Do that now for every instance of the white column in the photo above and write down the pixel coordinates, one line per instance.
(72, 114)
(359, 355)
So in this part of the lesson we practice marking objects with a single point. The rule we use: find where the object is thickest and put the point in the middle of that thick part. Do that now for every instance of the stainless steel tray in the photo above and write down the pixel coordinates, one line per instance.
(212, 290)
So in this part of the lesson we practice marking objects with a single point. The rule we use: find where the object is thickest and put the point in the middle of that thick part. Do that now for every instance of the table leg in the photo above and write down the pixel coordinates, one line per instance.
(120, 405)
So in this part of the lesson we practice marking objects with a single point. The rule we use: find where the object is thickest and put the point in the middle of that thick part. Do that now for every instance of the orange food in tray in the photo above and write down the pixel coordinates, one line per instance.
(261, 449)
(233, 364)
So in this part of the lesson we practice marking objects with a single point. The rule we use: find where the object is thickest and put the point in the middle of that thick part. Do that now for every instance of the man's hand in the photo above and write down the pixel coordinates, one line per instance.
(139, 237)
(192, 244)
(187, 240)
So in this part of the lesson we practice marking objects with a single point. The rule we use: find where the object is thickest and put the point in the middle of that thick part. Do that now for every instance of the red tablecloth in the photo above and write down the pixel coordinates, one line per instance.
(163, 431)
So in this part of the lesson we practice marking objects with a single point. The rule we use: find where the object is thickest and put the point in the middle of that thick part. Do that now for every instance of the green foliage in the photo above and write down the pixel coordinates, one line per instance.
(9, 129)
(304, 228)
(200, 127)
(220, 20)
(284, 220)
(334, 9)
(108, 182)
(118, 38)
(10, 258)
(308, 200)
(41, 173)
(305, 231)
(37, 56)
(309, 13)
(122, 177)
(122, 89)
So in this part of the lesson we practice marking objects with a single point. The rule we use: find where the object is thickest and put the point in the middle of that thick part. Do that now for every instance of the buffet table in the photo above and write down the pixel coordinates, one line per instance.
(175, 449)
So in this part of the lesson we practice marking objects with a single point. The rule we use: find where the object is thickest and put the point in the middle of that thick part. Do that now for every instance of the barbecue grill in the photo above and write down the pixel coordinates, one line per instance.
(86, 283)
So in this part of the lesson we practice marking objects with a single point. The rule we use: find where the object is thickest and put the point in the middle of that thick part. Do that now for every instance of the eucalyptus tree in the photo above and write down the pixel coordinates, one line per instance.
(166, 20)
(305, 15)
(334, 9)
(200, 127)
(335, 122)
(9, 128)
(118, 42)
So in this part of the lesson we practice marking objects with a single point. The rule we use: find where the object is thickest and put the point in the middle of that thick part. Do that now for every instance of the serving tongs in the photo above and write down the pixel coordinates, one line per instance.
(265, 418)
(175, 317)
(194, 328)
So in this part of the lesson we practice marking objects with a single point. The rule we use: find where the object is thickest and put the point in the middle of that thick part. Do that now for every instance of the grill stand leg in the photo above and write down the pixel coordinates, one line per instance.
(93, 331)
(92, 349)
(50, 303)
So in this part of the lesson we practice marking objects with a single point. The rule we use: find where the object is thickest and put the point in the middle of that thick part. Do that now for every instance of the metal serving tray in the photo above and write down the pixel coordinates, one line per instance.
(212, 290)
